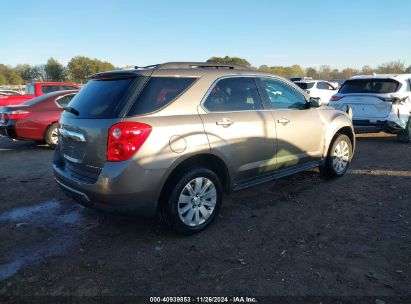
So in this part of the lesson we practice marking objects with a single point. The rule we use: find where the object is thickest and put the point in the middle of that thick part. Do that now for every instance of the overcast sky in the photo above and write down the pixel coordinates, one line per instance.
(310, 33)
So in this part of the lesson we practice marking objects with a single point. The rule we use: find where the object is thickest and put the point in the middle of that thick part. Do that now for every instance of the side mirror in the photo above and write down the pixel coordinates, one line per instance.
(314, 102)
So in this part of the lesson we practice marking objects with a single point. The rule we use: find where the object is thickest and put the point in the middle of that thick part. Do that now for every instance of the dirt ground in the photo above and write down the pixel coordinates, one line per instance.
(298, 236)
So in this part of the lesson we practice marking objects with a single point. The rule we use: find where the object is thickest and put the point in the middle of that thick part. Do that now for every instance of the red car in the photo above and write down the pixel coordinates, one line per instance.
(36, 89)
(36, 119)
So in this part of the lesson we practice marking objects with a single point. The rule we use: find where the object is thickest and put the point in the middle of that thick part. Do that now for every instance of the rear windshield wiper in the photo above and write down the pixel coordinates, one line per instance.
(71, 110)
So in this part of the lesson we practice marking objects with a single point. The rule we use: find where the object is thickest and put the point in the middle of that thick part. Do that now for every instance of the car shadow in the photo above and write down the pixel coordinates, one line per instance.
(7, 144)
(376, 137)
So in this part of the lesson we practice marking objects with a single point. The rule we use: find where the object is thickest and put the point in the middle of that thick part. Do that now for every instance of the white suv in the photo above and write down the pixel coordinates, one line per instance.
(321, 89)
(378, 103)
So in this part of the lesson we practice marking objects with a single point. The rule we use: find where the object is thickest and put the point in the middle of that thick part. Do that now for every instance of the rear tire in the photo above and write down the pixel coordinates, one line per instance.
(193, 202)
(404, 136)
(51, 135)
(338, 157)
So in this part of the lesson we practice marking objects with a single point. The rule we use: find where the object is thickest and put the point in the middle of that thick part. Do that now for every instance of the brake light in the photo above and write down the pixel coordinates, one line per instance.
(16, 115)
(335, 98)
(125, 138)
(398, 113)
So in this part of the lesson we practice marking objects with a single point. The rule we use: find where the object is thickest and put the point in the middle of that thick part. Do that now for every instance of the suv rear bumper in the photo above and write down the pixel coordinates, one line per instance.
(368, 126)
(118, 190)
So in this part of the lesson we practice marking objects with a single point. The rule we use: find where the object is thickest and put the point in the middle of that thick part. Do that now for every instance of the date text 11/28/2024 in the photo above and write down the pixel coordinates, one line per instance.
(203, 300)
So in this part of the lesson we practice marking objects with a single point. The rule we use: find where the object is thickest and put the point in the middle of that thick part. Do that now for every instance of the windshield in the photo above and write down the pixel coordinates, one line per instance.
(305, 85)
(376, 86)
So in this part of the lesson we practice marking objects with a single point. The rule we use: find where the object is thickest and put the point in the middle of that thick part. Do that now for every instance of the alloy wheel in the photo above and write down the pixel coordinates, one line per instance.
(54, 136)
(197, 201)
(341, 156)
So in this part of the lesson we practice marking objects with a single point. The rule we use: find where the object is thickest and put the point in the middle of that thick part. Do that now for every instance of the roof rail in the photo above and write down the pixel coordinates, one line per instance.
(194, 65)
(152, 66)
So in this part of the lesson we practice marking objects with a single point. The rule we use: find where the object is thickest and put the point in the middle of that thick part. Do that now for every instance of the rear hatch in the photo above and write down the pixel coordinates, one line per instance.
(107, 99)
(85, 124)
(368, 98)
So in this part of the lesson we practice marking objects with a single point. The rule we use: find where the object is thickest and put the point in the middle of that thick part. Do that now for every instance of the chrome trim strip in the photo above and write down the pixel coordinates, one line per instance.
(72, 159)
(72, 135)
(72, 190)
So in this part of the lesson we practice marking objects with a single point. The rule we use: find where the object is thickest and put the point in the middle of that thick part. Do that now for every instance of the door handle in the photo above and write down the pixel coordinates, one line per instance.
(225, 122)
(283, 121)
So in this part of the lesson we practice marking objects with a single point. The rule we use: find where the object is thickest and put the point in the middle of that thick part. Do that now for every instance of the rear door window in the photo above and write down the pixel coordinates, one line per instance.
(159, 92)
(234, 94)
(102, 98)
(373, 86)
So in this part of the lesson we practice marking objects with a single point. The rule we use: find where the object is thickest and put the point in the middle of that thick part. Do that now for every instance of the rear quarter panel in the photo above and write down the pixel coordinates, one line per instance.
(172, 140)
(42, 115)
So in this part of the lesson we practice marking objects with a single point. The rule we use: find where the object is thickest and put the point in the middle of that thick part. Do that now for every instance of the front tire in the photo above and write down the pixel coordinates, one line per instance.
(194, 201)
(338, 157)
(51, 135)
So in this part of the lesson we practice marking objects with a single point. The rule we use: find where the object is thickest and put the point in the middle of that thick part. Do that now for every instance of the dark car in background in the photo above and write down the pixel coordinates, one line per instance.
(36, 119)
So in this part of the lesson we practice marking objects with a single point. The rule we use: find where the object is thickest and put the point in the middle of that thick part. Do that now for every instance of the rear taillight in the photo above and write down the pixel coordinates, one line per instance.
(335, 98)
(16, 115)
(125, 138)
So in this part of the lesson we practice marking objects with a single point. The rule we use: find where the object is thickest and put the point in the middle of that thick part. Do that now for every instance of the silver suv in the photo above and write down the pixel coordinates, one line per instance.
(170, 139)
(378, 103)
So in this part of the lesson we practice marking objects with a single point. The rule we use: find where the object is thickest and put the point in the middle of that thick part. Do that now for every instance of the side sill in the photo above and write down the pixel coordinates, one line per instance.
(274, 175)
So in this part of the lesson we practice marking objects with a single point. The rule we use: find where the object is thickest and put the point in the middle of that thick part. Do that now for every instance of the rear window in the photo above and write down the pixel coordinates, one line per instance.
(101, 98)
(49, 89)
(305, 85)
(158, 93)
(53, 88)
(376, 86)
(64, 88)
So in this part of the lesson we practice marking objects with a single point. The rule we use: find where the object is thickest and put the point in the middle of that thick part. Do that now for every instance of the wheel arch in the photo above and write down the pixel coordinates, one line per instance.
(207, 160)
(346, 130)
(349, 132)
(47, 128)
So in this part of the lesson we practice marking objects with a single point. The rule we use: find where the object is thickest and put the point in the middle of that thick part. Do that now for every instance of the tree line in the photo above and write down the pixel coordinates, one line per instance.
(80, 67)
(77, 70)
(323, 72)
